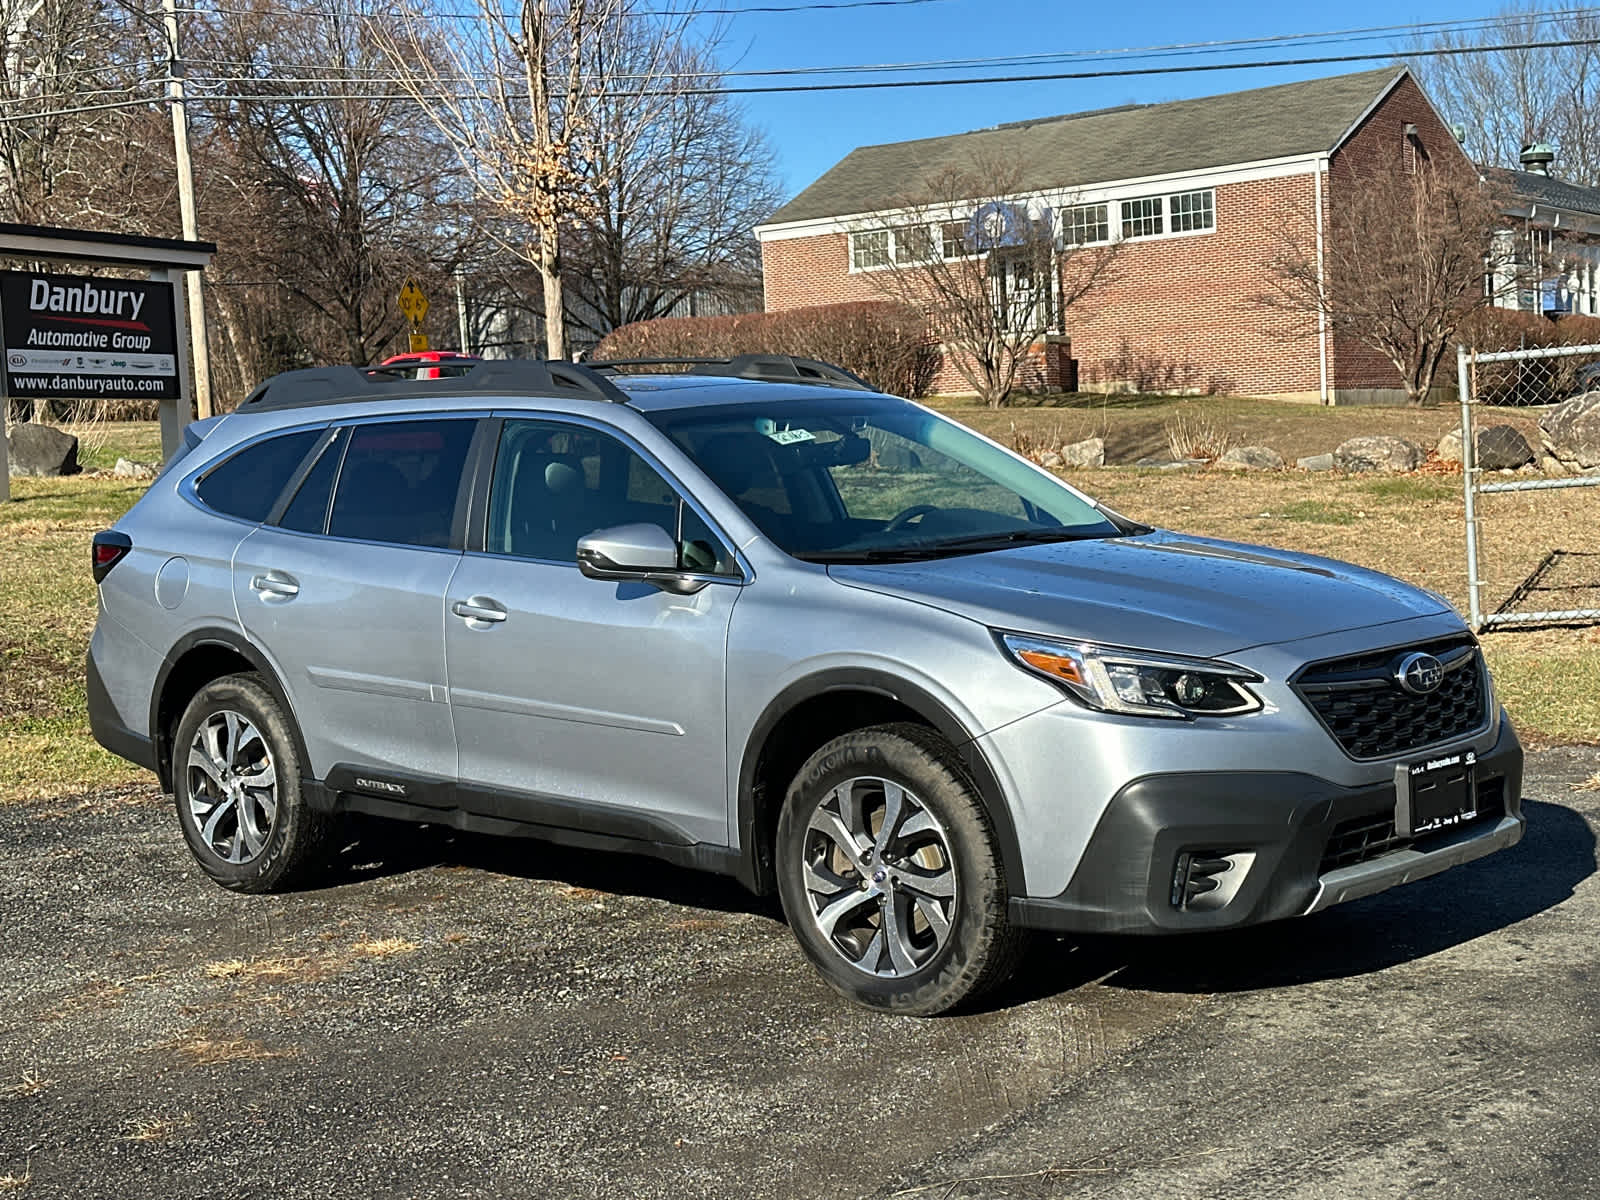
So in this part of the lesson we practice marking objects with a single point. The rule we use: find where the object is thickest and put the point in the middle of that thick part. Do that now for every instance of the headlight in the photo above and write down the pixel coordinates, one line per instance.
(1146, 685)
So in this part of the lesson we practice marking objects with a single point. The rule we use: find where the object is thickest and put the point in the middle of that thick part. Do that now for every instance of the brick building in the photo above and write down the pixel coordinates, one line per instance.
(1199, 194)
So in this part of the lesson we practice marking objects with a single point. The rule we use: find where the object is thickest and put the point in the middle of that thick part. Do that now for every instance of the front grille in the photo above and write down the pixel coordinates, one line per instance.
(1358, 700)
(1361, 839)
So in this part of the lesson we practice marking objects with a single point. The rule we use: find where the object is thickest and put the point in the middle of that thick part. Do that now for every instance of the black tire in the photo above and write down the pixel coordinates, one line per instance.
(937, 973)
(237, 852)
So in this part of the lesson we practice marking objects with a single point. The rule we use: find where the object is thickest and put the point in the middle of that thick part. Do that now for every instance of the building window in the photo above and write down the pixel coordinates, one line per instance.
(953, 236)
(1190, 211)
(1082, 224)
(1142, 217)
(869, 248)
(913, 244)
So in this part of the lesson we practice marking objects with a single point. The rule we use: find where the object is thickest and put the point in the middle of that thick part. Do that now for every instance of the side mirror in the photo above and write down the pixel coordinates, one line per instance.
(641, 553)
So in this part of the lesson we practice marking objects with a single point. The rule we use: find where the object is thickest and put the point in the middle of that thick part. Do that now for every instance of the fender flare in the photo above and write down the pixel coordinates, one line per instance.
(755, 867)
(230, 639)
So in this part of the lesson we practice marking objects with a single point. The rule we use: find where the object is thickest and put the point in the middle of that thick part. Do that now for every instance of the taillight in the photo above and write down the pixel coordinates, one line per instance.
(107, 550)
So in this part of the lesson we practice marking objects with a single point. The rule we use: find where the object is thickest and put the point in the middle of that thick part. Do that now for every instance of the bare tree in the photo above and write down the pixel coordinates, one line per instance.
(1404, 266)
(1506, 99)
(520, 96)
(62, 64)
(674, 197)
(334, 193)
(989, 267)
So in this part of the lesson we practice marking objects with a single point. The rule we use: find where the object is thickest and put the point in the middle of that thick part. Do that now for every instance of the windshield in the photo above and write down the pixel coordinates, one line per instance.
(860, 478)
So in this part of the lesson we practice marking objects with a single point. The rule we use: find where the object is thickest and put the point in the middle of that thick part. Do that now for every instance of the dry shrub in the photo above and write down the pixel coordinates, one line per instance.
(885, 343)
(1537, 381)
(1038, 442)
(1194, 433)
(1144, 372)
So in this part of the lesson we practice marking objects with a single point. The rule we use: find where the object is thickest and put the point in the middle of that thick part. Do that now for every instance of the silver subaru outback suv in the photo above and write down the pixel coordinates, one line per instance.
(761, 620)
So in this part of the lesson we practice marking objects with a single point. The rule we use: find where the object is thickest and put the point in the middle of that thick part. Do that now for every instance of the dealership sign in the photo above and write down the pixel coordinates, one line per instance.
(66, 335)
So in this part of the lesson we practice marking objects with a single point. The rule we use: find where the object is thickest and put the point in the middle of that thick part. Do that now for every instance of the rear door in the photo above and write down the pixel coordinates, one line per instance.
(344, 588)
(582, 703)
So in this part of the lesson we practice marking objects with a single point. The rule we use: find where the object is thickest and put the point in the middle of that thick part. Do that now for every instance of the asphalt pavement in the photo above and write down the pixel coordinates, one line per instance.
(460, 1017)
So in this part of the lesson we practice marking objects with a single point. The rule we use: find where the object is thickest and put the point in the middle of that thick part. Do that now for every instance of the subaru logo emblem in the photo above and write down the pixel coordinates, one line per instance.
(1419, 674)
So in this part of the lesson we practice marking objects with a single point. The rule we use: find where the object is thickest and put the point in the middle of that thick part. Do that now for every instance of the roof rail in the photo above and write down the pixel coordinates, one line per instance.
(516, 376)
(763, 368)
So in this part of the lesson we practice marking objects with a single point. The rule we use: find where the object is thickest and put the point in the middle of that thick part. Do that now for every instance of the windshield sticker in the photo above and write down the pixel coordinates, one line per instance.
(788, 437)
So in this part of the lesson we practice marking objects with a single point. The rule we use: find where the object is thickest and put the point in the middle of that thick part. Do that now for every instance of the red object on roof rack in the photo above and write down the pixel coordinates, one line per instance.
(428, 364)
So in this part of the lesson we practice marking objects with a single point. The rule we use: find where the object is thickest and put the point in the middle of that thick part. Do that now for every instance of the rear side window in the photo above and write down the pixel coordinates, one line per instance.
(308, 511)
(399, 482)
(247, 485)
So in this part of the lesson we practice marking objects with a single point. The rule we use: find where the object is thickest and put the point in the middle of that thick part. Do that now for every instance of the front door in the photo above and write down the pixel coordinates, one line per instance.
(580, 703)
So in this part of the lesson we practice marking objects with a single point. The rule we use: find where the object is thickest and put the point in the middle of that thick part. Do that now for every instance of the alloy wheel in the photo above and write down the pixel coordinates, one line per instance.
(879, 877)
(233, 786)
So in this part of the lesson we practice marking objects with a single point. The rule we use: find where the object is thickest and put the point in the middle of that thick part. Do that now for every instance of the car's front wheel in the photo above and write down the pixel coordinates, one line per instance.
(890, 874)
(236, 781)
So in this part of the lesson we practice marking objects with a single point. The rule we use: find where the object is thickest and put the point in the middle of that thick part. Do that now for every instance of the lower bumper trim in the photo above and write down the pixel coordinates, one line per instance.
(1407, 866)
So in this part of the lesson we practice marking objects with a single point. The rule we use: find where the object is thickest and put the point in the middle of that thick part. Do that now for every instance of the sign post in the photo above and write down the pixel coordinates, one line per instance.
(414, 307)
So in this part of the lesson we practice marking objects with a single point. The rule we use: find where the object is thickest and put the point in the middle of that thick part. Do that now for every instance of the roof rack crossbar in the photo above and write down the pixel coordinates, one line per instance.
(330, 385)
(762, 368)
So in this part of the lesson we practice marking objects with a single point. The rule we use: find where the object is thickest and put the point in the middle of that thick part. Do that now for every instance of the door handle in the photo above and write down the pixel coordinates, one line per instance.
(479, 608)
(275, 583)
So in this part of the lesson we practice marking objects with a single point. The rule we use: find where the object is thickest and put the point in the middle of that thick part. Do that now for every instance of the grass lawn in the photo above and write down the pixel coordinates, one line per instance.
(1407, 525)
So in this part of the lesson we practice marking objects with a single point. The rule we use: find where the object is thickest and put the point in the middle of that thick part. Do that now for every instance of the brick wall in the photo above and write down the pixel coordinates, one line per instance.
(1185, 312)
(1378, 154)
(1178, 312)
(800, 272)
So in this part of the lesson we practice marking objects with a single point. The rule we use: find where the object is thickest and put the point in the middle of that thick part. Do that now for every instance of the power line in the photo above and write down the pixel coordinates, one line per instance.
(879, 84)
(82, 108)
(1331, 37)
(855, 85)
(456, 14)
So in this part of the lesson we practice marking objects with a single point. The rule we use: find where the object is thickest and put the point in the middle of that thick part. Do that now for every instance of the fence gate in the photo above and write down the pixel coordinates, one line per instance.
(1544, 375)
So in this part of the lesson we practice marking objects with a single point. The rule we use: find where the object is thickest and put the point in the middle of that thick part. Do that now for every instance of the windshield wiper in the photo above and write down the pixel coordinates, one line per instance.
(970, 544)
(1014, 537)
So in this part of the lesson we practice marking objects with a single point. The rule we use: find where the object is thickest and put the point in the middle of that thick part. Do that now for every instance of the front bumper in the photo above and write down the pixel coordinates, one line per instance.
(1279, 831)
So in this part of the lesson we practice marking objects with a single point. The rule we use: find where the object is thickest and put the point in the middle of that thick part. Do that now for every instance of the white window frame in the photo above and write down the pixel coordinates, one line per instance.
(1070, 223)
(1153, 208)
(1207, 198)
(1166, 215)
(857, 250)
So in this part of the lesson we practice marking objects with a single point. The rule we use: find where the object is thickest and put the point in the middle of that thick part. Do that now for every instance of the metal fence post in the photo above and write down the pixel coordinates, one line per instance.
(1469, 485)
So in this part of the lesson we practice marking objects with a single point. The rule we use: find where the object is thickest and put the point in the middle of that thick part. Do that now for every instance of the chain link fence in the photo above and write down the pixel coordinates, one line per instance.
(1563, 585)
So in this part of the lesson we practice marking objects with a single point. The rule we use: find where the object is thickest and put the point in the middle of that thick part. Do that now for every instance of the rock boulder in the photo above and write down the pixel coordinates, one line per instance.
(1378, 452)
(1500, 447)
(1572, 432)
(1252, 458)
(1091, 452)
(34, 449)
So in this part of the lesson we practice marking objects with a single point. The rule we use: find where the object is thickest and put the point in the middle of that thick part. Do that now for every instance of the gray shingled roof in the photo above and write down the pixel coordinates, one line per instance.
(1542, 189)
(1117, 143)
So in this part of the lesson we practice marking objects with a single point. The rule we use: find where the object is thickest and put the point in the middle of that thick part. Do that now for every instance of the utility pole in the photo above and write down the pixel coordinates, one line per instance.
(461, 312)
(180, 152)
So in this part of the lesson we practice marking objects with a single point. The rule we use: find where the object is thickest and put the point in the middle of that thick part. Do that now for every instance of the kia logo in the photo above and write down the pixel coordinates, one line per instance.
(1419, 674)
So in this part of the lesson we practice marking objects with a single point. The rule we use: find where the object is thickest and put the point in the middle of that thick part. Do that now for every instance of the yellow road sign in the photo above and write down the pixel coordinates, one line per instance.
(413, 304)
(419, 342)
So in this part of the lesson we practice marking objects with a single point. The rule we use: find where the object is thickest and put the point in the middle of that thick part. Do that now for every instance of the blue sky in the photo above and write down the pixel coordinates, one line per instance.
(811, 132)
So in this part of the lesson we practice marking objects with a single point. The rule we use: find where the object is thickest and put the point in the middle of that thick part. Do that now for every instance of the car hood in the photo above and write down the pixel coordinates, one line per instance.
(1155, 591)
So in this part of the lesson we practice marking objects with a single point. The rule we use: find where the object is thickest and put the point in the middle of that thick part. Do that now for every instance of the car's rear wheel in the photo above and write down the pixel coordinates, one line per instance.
(236, 781)
(890, 874)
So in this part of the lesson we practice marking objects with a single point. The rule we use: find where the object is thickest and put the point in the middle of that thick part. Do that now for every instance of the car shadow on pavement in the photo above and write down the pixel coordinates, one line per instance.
(1556, 853)
(376, 848)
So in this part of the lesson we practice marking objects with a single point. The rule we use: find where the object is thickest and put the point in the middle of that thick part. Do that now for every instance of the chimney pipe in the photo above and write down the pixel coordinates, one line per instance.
(1537, 157)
